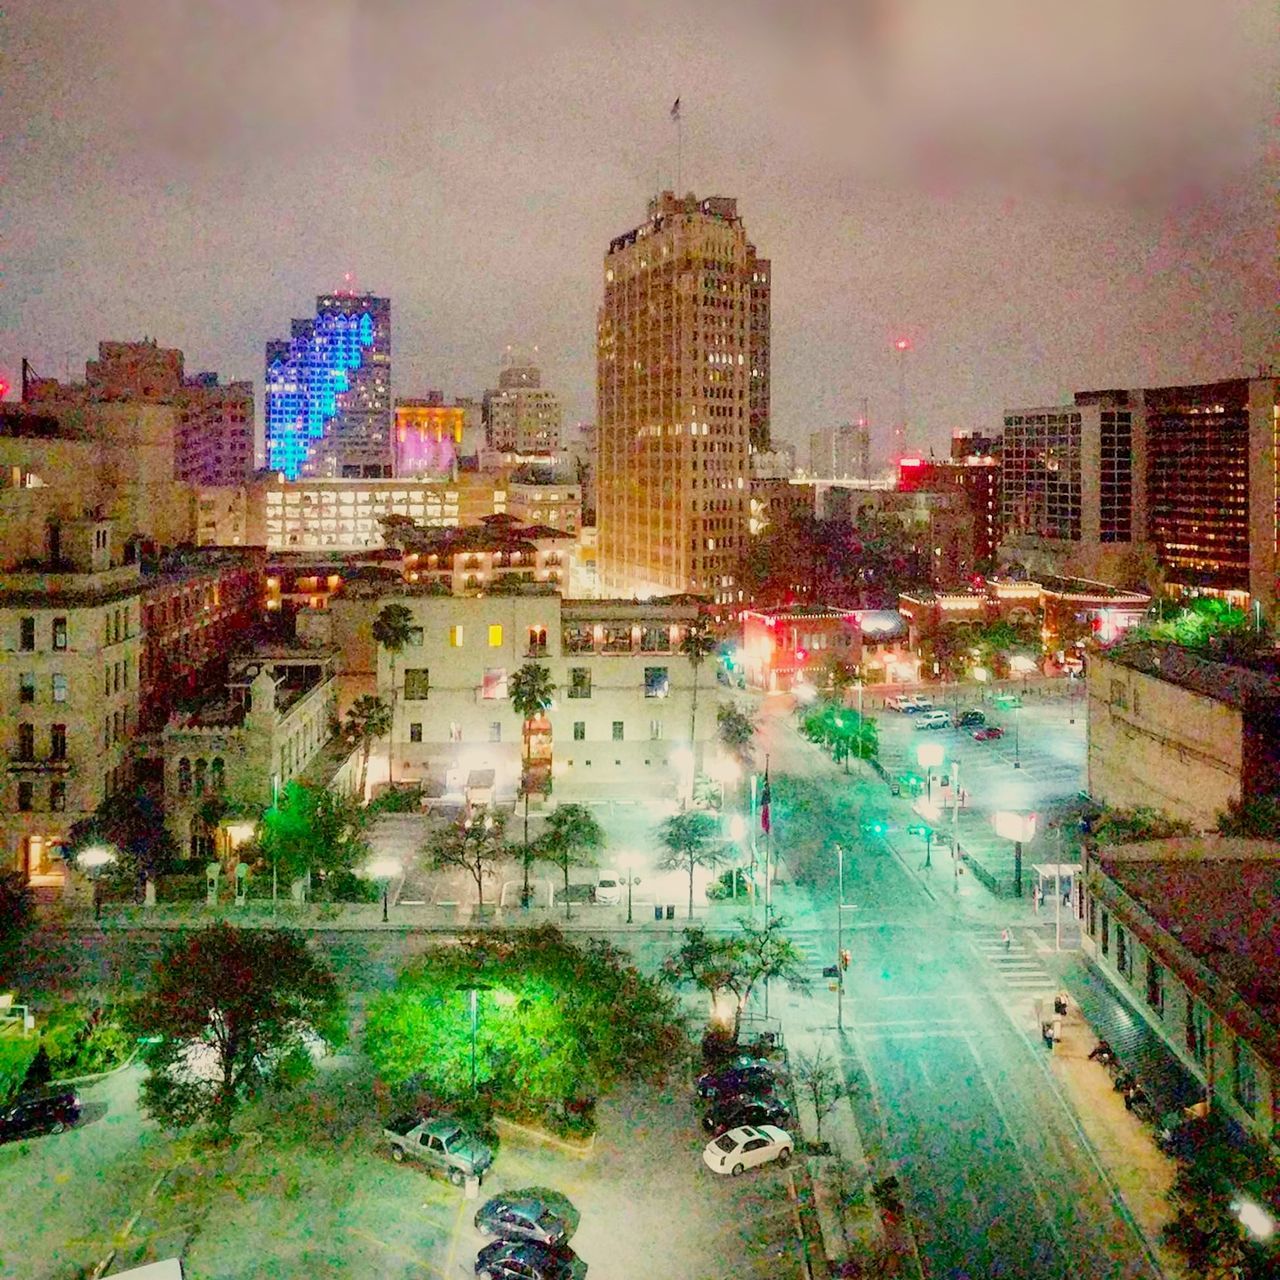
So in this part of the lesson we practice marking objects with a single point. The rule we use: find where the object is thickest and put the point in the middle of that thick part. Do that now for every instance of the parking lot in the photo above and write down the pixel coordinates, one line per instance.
(307, 1190)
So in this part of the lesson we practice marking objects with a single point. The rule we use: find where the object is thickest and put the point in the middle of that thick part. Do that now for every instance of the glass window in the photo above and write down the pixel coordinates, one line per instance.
(58, 742)
(655, 730)
(59, 633)
(415, 638)
(27, 686)
(1197, 1029)
(415, 731)
(184, 777)
(495, 635)
(1244, 1077)
(455, 637)
(59, 686)
(455, 731)
(617, 731)
(579, 682)
(656, 684)
(1106, 933)
(1155, 985)
(27, 634)
(495, 730)
(26, 742)
(26, 793)
(58, 796)
(416, 684)
(579, 731)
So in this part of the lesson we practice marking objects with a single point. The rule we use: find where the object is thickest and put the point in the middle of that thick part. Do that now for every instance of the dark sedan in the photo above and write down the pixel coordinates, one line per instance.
(754, 1078)
(736, 1110)
(524, 1260)
(28, 1116)
(521, 1218)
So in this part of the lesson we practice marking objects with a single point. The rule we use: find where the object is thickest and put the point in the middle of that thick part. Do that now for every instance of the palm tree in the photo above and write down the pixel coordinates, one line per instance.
(392, 629)
(532, 692)
(697, 643)
(691, 840)
(573, 838)
(368, 719)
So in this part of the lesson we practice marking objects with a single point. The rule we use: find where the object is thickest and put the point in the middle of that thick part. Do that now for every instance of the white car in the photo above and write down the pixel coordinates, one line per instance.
(747, 1147)
(609, 888)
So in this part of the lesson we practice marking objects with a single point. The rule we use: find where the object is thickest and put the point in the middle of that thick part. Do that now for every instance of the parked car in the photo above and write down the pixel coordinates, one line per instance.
(909, 703)
(1007, 701)
(609, 888)
(441, 1143)
(972, 719)
(935, 719)
(732, 1111)
(750, 1075)
(746, 1148)
(989, 733)
(521, 1218)
(36, 1113)
(524, 1260)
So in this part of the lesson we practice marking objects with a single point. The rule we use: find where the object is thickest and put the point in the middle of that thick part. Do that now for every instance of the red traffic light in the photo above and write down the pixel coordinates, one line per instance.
(844, 959)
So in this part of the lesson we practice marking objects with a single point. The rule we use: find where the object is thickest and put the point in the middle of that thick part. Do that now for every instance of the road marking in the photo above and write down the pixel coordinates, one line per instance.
(911, 1022)
(958, 1033)
(416, 1258)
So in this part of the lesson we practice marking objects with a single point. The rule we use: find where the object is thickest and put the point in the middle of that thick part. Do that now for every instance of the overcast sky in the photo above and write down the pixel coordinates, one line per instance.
(1040, 196)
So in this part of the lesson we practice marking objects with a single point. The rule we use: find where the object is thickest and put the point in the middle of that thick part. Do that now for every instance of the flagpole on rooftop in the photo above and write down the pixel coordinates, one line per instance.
(676, 116)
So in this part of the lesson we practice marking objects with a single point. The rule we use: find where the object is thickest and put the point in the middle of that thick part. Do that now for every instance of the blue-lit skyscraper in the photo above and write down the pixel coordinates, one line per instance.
(328, 391)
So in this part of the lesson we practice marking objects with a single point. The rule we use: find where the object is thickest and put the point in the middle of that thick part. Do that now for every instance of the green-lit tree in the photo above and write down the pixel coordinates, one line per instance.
(317, 833)
(474, 844)
(737, 963)
(532, 691)
(839, 675)
(367, 720)
(392, 629)
(691, 840)
(226, 1012)
(573, 838)
(697, 644)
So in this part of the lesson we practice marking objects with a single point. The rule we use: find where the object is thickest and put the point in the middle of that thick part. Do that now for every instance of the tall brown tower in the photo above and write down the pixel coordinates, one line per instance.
(682, 377)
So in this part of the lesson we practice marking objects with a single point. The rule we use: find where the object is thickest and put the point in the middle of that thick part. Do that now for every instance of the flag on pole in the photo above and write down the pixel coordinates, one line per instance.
(766, 822)
(675, 109)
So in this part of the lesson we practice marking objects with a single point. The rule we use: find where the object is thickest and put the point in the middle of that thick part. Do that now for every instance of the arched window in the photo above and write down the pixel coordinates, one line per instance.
(202, 768)
(218, 775)
(184, 777)
(202, 842)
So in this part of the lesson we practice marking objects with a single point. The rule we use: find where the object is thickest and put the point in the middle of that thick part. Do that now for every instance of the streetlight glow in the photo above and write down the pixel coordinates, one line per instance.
(1254, 1219)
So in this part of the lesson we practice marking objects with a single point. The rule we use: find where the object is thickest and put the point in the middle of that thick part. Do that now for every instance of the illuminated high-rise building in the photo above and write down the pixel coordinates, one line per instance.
(328, 391)
(682, 327)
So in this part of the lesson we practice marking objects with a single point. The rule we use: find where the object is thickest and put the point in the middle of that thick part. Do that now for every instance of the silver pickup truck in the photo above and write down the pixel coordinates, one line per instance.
(441, 1143)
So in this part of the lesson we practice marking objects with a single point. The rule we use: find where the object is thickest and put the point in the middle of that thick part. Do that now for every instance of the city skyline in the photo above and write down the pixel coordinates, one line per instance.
(1095, 212)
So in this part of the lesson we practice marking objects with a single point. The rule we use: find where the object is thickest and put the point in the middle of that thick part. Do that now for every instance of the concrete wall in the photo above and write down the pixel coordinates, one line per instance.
(1155, 744)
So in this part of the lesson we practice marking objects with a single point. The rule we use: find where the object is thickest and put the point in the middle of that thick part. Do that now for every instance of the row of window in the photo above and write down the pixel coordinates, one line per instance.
(493, 685)
(27, 634)
(27, 742)
(617, 731)
(27, 797)
(58, 687)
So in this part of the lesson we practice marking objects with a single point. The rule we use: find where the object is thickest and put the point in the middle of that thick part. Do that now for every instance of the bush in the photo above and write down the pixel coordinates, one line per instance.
(346, 886)
(394, 800)
(190, 888)
(85, 1042)
(723, 888)
(16, 1054)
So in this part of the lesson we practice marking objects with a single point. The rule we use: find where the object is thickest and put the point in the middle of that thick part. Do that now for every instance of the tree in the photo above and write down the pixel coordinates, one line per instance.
(228, 1011)
(1257, 818)
(130, 823)
(474, 843)
(737, 963)
(16, 908)
(368, 719)
(691, 840)
(840, 675)
(696, 644)
(393, 629)
(573, 838)
(556, 1021)
(736, 731)
(1132, 826)
(818, 1080)
(315, 832)
(532, 691)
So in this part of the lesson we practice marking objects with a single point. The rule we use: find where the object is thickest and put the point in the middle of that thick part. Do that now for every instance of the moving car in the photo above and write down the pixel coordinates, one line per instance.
(746, 1148)
(732, 1111)
(989, 733)
(972, 719)
(935, 719)
(524, 1260)
(751, 1075)
(441, 1143)
(37, 1113)
(521, 1218)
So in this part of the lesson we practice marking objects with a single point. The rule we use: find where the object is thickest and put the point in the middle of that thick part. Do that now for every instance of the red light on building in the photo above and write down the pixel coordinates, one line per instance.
(801, 655)
(911, 462)
(902, 344)
(4, 387)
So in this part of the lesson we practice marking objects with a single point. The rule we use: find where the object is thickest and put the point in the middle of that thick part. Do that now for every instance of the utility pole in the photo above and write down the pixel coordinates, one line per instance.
(840, 939)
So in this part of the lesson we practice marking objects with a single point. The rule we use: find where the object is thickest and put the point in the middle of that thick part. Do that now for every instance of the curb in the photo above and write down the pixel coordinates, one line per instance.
(581, 1149)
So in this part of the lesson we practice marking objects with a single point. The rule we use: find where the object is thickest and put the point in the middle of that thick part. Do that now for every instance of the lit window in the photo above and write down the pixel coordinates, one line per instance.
(495, 635)
(495, 683)
(417, 684)
(455, 637)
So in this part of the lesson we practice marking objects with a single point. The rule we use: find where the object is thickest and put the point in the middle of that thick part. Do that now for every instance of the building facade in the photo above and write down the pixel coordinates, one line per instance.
(428, 437)
(523, 417)
(1176, 732)
(841, 452)
(760, 351)
(1186, 930)
(675, 338)
(976, 477)
(328, 392)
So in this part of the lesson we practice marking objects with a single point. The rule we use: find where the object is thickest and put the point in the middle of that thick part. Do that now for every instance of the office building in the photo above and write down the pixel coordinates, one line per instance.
(841, 452)
(759, 351)
(212, 423)
(328, 391)
(974, 475)
(674, 367)
(521, 415)
(428, 436)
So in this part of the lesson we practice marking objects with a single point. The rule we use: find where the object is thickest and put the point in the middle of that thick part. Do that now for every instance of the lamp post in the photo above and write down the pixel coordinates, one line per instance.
(929, 755)
(1017, 735)
(94, 861)
(627, 863)
(1018, 827)
(383, 871)
(955, 825)
(473, 990)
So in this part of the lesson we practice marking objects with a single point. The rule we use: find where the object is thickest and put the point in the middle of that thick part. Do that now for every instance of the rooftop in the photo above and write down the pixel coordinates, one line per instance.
(1227, 682)
(1220, 898)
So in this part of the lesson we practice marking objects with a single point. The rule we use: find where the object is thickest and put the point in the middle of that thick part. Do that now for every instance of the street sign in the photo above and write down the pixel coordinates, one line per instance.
(831, 971)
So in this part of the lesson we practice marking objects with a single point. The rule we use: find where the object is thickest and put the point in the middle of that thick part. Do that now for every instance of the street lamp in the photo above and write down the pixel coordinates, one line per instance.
(1018, 827)
(628, 864)
(929, 755)
(93, 862)
(473, 990)
(383, 871)
(1017, 736)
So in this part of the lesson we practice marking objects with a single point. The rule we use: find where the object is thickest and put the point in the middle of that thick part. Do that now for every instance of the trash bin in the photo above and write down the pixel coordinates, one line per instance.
(657, 913)
(671, 912)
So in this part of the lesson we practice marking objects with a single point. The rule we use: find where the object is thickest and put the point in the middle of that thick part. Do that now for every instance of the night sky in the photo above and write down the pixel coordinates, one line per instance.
(1042, 197)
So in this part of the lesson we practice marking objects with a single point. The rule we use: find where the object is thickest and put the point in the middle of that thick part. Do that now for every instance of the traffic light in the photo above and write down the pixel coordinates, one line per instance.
(844, 959)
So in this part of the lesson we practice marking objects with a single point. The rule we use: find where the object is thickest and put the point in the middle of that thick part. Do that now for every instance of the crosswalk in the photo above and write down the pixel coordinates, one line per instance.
(1017, 966)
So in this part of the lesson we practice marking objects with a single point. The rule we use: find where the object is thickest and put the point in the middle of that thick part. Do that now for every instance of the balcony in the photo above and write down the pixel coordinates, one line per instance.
(50, 764)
